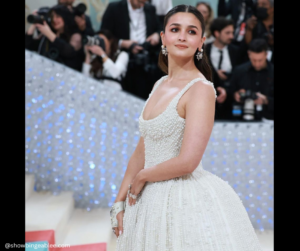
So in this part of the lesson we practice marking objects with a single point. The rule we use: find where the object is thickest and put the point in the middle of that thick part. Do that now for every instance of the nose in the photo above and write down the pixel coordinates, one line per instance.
(181, 36)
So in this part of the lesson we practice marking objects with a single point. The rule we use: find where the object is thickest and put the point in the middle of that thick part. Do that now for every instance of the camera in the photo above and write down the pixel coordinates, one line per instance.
(80, 9)
(42, 15)
(247, 95)
(95, 40)
(142, 58)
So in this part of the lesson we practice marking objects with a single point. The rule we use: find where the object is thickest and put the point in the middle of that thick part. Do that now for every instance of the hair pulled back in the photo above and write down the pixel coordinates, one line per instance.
(203, 64)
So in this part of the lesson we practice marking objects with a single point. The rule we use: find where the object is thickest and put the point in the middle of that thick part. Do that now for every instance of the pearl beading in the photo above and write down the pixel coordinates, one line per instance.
(195, 212)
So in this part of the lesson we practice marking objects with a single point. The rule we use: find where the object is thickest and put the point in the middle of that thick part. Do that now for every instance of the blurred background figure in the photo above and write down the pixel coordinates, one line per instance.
(82, 20)
(261, 25)
(59, 38)
(106, 62)
(136, 25)
(223, 57)
(208, 15)
(162, 7)
(240, 11)
(253, 84)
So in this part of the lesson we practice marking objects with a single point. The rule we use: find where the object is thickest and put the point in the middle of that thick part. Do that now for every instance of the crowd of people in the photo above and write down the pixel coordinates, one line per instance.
(123, 53)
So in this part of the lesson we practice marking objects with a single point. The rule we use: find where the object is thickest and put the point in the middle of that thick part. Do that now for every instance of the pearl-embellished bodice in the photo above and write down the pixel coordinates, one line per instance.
(163, 134)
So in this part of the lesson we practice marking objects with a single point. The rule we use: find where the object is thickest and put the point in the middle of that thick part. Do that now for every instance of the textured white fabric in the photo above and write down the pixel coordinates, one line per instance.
(195, 212)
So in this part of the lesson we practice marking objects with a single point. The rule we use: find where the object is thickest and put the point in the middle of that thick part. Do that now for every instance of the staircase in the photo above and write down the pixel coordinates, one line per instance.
(55, 220)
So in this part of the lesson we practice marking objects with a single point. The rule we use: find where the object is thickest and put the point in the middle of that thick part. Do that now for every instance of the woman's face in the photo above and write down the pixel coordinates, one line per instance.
(204, 11)
(57, 21)
(106, 42)
(183, 29)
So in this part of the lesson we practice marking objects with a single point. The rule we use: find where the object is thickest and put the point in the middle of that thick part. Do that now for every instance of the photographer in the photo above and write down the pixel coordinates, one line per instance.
(262, 25)
(135, 24)
(59, 40)
(82, 20)
(106, 60)
(252, 84)
(223, 57)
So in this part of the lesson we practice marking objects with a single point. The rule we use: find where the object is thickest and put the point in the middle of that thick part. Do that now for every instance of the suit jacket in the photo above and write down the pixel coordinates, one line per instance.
(116, 19)
(233, 54)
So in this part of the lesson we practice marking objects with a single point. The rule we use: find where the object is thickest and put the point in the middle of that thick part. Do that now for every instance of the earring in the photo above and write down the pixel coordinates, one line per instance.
(164, 50)
(199, 54)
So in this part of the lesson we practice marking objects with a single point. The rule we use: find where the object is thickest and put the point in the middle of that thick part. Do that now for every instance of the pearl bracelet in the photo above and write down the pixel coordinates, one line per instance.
(115, 209)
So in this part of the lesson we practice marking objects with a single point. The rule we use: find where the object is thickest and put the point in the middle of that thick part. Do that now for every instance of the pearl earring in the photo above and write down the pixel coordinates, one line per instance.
(199, 54)
(164, 50)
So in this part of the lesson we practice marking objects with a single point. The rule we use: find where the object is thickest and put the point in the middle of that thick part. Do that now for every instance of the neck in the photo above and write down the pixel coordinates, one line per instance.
(60, 31)
(181, 69)
(133, 6)
(218, 44)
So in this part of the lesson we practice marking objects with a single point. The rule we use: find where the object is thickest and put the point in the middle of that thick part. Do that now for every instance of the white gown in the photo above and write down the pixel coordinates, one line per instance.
(195, 212)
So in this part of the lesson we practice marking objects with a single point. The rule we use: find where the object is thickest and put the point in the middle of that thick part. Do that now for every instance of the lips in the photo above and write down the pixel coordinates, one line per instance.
(181, 46)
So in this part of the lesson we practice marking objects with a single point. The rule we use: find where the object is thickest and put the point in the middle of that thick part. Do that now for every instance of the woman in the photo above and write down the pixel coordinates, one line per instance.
(208, 15)
(172, 203)
(61, 41)
(110, 63)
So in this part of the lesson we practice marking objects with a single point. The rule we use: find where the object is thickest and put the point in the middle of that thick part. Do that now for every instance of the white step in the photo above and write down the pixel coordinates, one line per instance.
(266, 239)
(45, 211)
(29, 185)
(88, 227)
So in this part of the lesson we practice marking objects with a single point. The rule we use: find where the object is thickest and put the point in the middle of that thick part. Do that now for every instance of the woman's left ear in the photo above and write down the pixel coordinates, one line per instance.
(203, 40)
(162, 36)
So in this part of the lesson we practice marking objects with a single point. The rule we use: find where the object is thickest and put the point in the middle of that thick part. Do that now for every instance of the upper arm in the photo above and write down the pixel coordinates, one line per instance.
(200, 112)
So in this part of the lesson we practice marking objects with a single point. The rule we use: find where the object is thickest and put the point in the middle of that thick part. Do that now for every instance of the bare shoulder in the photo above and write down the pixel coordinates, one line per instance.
(202, 91)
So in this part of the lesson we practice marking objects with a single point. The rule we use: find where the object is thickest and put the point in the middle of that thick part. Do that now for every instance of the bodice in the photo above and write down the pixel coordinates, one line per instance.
(163, 134)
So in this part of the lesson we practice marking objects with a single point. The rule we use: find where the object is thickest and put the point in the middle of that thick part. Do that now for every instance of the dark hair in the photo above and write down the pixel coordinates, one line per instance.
(70, 26)
(219, 23)
(202, 65)
(96, 64)
(258, 45)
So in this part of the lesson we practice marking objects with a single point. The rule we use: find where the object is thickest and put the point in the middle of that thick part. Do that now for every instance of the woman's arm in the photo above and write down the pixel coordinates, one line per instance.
(200, 111)
(135, 164)
(31, 43)
(118, 68)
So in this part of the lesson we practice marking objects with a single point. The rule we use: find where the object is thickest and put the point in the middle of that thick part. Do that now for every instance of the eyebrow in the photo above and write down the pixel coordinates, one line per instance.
(192, 26)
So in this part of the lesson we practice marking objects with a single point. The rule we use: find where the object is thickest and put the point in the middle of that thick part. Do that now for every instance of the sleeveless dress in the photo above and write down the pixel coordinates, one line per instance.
(194, 212)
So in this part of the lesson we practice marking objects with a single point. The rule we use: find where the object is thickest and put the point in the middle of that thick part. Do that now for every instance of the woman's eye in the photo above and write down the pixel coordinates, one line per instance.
(174, 29)
(193, 32)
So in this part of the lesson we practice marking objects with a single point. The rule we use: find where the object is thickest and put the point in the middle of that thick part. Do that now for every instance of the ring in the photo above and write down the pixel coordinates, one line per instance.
(129, 186)
(114, 230)
(132, 196)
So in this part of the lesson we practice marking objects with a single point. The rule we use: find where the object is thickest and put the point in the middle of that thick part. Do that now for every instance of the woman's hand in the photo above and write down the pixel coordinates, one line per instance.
(95, 49)
(46, 31)
(119, 229)
(136, 186)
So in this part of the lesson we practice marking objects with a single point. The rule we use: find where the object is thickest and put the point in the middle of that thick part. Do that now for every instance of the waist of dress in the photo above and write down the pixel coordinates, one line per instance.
(198, 169)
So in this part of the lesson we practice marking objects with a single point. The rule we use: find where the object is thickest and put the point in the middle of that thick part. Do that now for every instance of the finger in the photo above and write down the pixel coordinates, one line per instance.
(116, 231)
(133, 201)
(120, 225)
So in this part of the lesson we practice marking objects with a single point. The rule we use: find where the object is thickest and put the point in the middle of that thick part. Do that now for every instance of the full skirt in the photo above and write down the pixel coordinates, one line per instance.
(197, 212)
